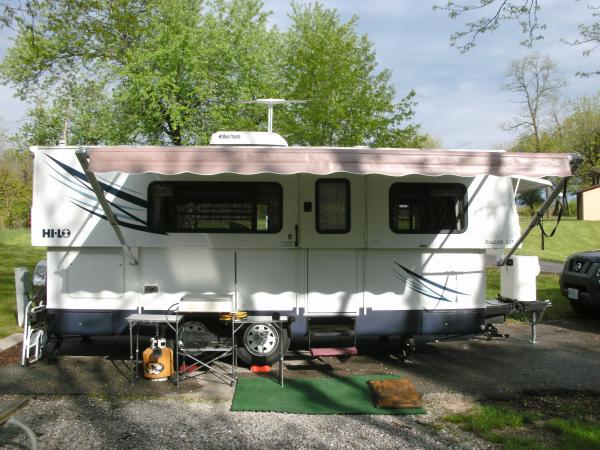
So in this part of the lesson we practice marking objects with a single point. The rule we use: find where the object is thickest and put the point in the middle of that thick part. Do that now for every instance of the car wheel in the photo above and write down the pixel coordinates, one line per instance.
(260, 344)
(580, 310)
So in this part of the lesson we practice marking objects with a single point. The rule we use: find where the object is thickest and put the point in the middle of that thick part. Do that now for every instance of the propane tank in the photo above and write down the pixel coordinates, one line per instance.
(158, 360)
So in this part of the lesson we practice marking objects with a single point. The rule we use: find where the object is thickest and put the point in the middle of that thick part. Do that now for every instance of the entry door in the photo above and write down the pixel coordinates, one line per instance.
(332, 232)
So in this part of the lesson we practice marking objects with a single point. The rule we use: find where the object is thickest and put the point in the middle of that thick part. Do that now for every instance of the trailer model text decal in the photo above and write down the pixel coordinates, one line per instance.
(420, 284)
(56, 233)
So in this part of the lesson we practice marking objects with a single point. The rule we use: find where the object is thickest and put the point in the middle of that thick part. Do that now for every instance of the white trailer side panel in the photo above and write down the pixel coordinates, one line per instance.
(179, 270)
(268, 280)
(334, 281)
(91, 279)
(415, 280)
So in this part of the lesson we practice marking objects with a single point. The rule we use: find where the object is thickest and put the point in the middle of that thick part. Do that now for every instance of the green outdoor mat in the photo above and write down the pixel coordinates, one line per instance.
(335, 395)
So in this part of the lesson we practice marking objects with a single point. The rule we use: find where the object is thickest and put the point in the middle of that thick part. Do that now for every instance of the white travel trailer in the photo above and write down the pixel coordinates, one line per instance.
(348, 241)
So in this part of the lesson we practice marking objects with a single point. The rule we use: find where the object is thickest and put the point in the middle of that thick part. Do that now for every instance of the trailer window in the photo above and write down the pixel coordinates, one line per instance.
(430, 208)
(215, 207)
(332, 205)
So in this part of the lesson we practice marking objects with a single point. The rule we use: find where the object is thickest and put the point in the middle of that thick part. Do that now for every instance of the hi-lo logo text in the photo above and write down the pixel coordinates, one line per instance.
(56, 233)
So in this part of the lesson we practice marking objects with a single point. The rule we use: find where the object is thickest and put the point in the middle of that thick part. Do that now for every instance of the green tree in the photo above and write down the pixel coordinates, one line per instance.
(86, 115)
(334, 68)
(185, 79)
(531, 199)
(15, 189)
(63, 42)
(582, 134)
(166, 71)
(578, 132)
(174, 71)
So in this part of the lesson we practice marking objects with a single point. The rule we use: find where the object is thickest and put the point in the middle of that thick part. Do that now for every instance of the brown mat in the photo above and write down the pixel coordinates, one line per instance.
(400, 393)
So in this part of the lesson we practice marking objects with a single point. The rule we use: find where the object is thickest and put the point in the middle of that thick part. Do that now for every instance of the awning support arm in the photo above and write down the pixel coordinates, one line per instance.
(537, 218)
(83, 160)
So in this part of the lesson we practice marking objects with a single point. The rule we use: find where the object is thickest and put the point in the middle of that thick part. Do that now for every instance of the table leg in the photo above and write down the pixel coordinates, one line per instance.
(281, 353)
(176, 351)
(131, 351)
(137, 348)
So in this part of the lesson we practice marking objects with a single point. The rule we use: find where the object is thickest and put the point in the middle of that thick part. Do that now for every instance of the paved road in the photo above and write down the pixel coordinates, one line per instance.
(545, 266)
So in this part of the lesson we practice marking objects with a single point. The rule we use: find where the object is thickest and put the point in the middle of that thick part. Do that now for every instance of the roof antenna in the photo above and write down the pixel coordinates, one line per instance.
(270, 102)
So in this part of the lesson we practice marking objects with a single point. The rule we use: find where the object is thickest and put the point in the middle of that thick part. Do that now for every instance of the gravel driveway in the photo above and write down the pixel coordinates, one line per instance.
(87, 401)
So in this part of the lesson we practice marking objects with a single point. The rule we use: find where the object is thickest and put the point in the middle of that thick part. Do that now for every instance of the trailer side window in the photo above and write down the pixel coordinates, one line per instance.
(215, 207)
(332, 205)
(429, 208)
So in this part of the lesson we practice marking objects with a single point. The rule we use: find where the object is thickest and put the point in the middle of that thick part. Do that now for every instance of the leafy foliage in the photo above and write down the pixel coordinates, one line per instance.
(578, 132)
(582, 134)
(349, 103)
(174, 71)
(15, 189)
(184, 80)
(531, 199)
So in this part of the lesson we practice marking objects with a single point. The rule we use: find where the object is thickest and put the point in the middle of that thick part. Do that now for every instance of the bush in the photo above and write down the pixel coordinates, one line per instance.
(15, 189)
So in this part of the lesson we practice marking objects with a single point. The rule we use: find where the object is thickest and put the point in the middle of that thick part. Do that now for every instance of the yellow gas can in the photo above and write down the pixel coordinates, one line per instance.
(158, 360)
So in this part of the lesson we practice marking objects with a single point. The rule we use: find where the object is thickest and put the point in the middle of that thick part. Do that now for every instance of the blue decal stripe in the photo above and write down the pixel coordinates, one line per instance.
(105, 187)
(421, 277)
(123, 224)
(127, 213)
(414, 281)
(122, 188)
(68, 183)
(94, 206)
(84, 194)
(432, 294)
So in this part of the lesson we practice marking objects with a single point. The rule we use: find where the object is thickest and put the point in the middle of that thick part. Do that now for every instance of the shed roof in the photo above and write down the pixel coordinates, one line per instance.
(589, 188)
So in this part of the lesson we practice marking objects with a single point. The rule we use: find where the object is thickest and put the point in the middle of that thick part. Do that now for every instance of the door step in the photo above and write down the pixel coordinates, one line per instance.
(331, 351)
(331, 333)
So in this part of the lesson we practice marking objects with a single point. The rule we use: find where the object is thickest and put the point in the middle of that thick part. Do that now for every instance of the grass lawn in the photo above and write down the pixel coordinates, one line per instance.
(15, 251)
(541, 420)
(572, 236)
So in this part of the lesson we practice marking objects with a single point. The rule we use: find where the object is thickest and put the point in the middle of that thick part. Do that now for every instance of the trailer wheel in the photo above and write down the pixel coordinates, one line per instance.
(260, 344)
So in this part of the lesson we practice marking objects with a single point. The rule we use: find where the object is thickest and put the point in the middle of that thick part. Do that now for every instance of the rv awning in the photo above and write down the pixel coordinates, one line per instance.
(322, 161)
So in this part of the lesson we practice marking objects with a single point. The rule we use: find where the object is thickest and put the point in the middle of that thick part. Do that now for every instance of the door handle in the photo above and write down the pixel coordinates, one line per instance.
(296, 235)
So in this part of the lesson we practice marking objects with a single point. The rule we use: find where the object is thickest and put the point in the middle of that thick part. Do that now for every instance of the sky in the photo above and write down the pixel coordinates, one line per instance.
(460, 99)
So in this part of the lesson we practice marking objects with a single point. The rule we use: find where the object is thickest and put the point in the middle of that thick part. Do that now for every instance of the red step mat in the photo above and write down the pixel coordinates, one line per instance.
(326, 351)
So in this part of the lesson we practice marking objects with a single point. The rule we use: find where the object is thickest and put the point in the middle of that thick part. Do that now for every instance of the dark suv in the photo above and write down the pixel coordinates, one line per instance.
(580, 281)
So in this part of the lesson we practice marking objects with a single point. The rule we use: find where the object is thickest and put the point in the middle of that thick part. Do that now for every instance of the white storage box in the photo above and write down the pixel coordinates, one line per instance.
(518, 281)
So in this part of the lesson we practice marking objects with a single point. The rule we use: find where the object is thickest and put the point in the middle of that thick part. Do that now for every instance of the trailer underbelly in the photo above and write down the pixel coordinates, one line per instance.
(373, 323)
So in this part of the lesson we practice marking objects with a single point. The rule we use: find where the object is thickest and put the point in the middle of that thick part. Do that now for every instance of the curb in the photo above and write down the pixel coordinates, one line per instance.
(10, 341)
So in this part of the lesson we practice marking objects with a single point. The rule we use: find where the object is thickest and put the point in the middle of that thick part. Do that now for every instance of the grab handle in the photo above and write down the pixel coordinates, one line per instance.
(296, 233)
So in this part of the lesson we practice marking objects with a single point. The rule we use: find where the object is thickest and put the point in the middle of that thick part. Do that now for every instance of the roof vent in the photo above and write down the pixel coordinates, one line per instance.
(247, 138)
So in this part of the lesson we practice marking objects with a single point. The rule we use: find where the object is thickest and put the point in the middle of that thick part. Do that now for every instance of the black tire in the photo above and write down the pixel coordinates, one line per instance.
(584, 311)
(580, 310)
(252, 355)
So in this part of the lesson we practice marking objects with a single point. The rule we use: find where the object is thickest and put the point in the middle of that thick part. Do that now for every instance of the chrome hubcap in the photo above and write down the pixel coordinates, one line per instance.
(261, 339)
